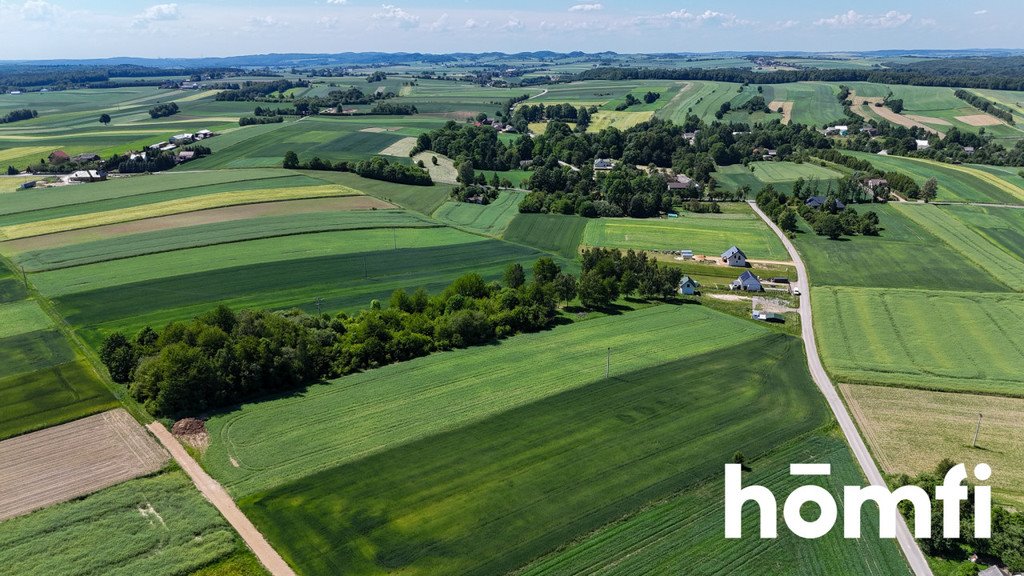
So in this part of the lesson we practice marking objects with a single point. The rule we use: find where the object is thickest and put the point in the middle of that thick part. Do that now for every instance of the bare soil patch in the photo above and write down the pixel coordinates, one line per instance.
(74, 459)
(886, 113)
(191, 431)
(787, 109)
(212, 216)
(980, 120)
(379, 129)
(401, 148)
(730, 297)
(444, 171)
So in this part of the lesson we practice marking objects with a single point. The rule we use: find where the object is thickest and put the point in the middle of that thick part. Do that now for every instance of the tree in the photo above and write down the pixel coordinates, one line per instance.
(105, 119)
(565, 287)
(788, 220)
(830, 225)
(118, 355)
(467, 175)
(545, 270)
(515, 276)
(593, 290)
(930, 190)
(12, 171)
(291, 160)
(739, 458)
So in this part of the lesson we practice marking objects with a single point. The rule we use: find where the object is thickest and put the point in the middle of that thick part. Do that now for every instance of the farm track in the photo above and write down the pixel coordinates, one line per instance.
(911, 551)
(72, 460)
(215, 493)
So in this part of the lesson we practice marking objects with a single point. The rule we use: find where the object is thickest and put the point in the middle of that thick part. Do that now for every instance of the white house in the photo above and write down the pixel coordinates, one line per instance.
(688, 286)
(746, 282)
(735, 257)
(922, 144)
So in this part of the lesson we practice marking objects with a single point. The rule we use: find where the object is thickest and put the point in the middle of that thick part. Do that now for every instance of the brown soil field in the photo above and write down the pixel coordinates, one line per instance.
(910, 431)
(211, 216)
(787, 109)
(74, 459)
(980, 120)
(378, 129)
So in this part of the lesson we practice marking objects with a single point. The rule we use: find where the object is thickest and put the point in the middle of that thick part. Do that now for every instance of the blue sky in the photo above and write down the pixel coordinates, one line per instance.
(88, 29)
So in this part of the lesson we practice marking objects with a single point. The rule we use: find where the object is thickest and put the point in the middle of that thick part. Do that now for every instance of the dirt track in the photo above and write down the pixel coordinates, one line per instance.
(217, 496)
(74, 459)
(886, 113)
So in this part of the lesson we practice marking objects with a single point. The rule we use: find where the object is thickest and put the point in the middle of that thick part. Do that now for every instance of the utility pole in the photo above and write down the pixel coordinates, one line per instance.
(976, 432)
(318, 301)
(24, 277)
(394, 236)
(608, 363)
(365, 275)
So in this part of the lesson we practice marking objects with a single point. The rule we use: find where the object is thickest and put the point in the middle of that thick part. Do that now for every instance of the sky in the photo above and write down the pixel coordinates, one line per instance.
(42, 29)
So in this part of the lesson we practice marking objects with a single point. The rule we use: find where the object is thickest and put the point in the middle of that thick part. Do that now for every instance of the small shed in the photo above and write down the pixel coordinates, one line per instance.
(688, 286)
(735, 257)
(747, 282)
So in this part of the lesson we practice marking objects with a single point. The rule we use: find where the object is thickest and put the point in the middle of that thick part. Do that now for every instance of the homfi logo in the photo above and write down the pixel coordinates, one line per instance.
(951, 493)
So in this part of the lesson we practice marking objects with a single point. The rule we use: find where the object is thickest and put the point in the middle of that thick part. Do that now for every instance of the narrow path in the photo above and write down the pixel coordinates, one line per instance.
(219, 497)
(911, 550)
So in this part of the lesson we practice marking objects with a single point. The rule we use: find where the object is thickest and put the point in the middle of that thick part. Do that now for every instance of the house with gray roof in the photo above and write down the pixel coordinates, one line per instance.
(735, 257)
(688, 286)
(747, 282)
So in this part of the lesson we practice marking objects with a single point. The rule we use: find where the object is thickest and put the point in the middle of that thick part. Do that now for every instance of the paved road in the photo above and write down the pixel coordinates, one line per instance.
(216, 494)
(906, 541)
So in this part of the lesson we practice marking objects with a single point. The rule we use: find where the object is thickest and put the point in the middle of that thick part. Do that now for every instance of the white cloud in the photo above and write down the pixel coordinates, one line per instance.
(339, 2)
(264, 22)
(472, 24)
(688, 18)
(513, 25)
(397, 16)
(160, 12)
(980, 12)
(586, 7)
(852, 18)
(786, 24)
(440, 24)
(38, 10)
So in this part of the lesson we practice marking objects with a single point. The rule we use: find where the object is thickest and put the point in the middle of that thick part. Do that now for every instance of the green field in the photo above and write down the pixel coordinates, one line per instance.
(491, 219)
(158, 526)
(122, 246)
(549, 232)
(709, 234)
(781, 175)
(21, 317)
(937, 340)
(904, 255)
(814, 103)
(283, 440)
(957, 183)
(994, 248)
(704, 98)
(670, 536)
(455, 496)
(422, 199)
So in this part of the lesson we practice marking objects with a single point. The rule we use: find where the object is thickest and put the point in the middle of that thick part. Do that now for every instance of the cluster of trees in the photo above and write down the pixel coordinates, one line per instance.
(985, 105)
(1006, 543)
(649, 98)
(622, 191)
(377, 76)
(610, 274)
(562, 112)
(477, 144)
(377, 168)
(154, 161)
(827, 220)
(253, 120)
(16, 115)
(393, 109)
(475, 193)
(222, 357)
(255, 91)
(755, 104)
(163, 110)
(898, 182)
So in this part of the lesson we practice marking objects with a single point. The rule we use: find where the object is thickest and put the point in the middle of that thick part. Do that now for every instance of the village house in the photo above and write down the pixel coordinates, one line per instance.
(181, 138)
(747, 282)
(819, 202)
(185, 156)
(968, 150)
(203, 134)
(922, 144)
(734, 257)
(688, 286)
(86, 157)
(876, 183)
(604, 164)
(690, 136)
(839, 130)
(870, 131)
(58, 157)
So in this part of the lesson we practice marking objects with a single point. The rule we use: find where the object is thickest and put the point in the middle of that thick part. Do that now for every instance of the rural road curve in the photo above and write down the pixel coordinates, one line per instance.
(911, 550)
(217, 496)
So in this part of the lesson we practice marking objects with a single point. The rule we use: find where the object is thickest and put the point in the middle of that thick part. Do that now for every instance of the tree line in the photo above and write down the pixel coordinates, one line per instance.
(16, 115)
(377, 168)
(986, 106)
(164, 110)
(224, 357)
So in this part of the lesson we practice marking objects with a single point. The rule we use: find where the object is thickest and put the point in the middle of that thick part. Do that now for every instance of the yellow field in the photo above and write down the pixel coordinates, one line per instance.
(19, 152)
(910, 431)
(621, 120)
(172, 207)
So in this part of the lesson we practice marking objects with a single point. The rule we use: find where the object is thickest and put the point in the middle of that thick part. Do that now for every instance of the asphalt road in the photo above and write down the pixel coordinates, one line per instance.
(907, 543)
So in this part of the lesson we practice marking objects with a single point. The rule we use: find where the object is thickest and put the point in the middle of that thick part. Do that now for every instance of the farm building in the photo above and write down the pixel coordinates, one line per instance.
(839, 130)
(818, 202)
(87, 157)
(747, 282)
(203, 134)
(767, 316)
(922, 144)
(180, 138)
(688, 286)
(682, 182)
(58, 157)
(870, 131)
(734, 257)
(604, 164)
(27, 185)
(186, 155)
(992, 571)
(686, 254)
(968, 150)
(87, 176)
(876, 183)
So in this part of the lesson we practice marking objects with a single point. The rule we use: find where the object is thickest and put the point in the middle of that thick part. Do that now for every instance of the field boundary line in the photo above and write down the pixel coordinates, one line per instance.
(215, 493)
(911, 551)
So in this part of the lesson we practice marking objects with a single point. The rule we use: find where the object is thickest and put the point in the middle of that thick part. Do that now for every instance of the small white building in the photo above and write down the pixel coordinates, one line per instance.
(922, 144)
(688, 286)
(87, 176)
